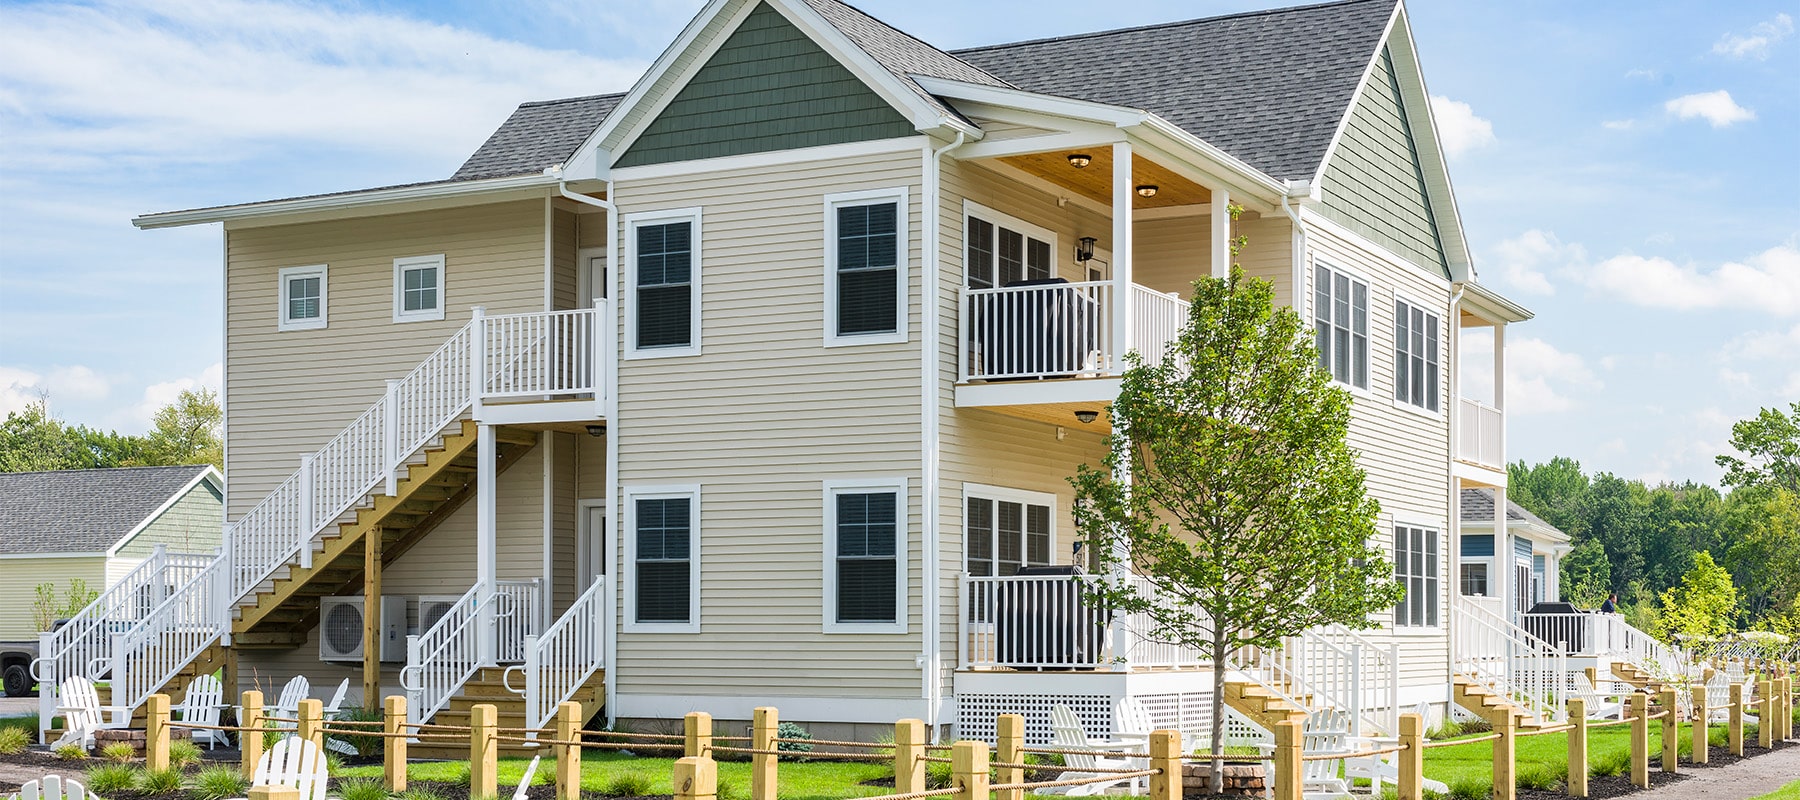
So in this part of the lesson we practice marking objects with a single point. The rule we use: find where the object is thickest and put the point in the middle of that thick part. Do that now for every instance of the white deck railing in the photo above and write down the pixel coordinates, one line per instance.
(1608, 635)
(1061, 330)
(443, 657)
(557, 663)
(1480, 434)
(1046, 622)
(1156, 320)
(1510, 662)
(518, 616)
(539, 354)
(1333, 667)
(149, 654)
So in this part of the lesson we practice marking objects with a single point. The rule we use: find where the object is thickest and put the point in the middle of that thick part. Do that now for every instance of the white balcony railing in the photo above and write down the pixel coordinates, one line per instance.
(1046, 622)
(1481, 434)
(1509, 661)
(1061, 330)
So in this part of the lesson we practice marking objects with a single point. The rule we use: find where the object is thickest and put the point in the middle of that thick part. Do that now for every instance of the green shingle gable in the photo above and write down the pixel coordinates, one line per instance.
(768, 87)
(1374, 183)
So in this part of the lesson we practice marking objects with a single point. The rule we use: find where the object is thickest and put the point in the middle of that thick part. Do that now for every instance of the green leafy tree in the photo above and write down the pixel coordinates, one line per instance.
(1768, 448)
(1703, 606)
(33, 441)
(1244, 510)
(47, 609)
(1586, 575)
(187, 431)
(1555, 490)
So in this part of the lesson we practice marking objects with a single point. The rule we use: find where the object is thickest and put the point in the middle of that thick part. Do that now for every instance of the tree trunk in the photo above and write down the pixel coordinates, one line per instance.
(1215, 782)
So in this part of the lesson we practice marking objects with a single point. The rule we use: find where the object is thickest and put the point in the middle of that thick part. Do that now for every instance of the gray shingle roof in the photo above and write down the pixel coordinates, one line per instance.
(82, 511)
(1269, 87)
(537, 136)
(1478, 506)
(902, 53)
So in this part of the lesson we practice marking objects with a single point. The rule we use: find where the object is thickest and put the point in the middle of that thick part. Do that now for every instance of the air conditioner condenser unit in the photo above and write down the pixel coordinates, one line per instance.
(341, 628)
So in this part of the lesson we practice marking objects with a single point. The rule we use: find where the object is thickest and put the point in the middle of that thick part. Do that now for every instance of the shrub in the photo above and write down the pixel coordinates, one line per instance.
(183, 753)
(1613, 763)
(1448, 729)
(1471, 726)
(70, 752)
(13, 741)
(789, 730)
(118, 752)
(365, 745)
(937, 775)
(334, 762)
(628, 784)
(362, 789)
(161, 781)
(111, 778)
(1538, 776)
(218, 783)
(1718, 737)
(1471, 789)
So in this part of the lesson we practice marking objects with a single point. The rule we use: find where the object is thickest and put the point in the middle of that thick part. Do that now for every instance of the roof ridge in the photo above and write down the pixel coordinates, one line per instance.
(1163, 25)
(558, 101)
(922, 42)
(107, 469)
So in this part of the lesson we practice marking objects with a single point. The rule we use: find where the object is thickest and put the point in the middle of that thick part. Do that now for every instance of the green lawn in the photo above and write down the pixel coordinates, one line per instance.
(1788, 792)
(820, 780)
(1471, 763)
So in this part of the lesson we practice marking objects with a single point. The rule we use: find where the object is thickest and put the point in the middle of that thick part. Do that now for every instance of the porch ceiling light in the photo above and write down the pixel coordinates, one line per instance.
(1084, 249)
(1147, 190)
(1080, 160)
(1086, 416)
(596, 430)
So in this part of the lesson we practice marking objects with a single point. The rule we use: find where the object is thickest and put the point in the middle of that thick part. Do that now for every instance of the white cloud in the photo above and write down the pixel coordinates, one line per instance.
(1540, 379)
(1717, 108)
(21, 387)
(1526, 261)
(1765, 346)
(157, 395)
(1619, 124)
(1757, 42)
(1646, 74)
(1458, 127)
(1768, 281)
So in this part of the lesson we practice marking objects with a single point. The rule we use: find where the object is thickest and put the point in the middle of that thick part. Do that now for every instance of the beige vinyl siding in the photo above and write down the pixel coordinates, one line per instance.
(590, 471)
(760, 420)
(1173, 253)
(191, 525)
(1404, 453)
(564, 232)
(20, 577)
(291, 391)
(566, 525)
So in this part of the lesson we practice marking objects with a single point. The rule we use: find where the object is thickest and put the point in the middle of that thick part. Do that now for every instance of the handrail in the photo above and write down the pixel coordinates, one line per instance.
(441, 659)
(1510, 662)
(565, 655)
(155, 649)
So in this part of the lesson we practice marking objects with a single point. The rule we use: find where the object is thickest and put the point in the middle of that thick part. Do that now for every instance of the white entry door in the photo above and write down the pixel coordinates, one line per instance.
(591, 557)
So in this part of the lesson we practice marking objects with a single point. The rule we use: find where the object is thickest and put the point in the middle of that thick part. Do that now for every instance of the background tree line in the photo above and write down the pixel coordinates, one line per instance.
(1685, 558)
(186, 431)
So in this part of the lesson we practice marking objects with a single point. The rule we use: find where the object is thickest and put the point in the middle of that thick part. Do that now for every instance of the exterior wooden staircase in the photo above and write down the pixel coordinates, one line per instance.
(436, 483)
(1260, 704)
(1638, 678)
(211, 660)
(488, 686)
(1476, 699)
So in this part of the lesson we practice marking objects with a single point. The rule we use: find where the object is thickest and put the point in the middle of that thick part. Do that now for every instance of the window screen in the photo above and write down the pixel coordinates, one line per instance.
(867, 557)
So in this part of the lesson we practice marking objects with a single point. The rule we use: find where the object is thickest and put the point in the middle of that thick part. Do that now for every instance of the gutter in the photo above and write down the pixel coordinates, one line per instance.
(931, 578)
(345, 200)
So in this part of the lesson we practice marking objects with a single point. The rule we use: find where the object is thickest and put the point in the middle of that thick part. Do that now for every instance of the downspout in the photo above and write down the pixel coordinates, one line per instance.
(1302, 298)
(931, 578)
(610, 647)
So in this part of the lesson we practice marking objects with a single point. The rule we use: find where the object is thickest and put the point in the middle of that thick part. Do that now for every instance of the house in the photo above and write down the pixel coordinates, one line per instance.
(760, 383)
(95, 526)
(1520, 569)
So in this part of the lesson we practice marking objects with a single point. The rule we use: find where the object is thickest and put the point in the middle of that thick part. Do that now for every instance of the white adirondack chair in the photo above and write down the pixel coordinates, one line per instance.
(1131, 720)
(1600, 705)
(337, 699)
(287, 706)
(55, 787)
(1067, 734)
(525, 782)
(81, 711)
(295, 762)
(201, 704)
(1326, 732)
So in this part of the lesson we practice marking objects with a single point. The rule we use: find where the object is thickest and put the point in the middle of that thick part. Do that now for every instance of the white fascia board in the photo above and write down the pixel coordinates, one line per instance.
(210, 475)
(1118, 116)
(1240, 179)
(1023, 145)
(585, 164)
(1406, 57)
(891, 87)
(1361, 83)
(1491, 305)
(348, 203)
(24, 556)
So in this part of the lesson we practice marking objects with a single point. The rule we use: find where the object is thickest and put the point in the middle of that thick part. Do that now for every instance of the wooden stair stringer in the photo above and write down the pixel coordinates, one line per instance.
(1260, 705)
(487, 687)
(1476, 699)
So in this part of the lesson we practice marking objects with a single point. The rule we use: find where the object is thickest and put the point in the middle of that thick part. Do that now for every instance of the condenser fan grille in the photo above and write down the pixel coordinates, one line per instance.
(343, 627)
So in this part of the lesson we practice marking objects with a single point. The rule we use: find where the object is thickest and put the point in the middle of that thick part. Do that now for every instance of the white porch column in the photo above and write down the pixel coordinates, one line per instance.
(1123, 191)
(1221, 233)
(1503, 556)
(485, 549)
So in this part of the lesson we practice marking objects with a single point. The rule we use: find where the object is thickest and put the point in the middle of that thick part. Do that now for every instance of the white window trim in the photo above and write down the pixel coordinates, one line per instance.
(632, 221)
(902, 554)
(903, 255)
(1005, 220)
(1443, 605)
(401, 265)
(629, 579)
(281, 312)
(1369, 315)
(1002, 493)
(585, 290)
(1444, 398)
(1467, 561)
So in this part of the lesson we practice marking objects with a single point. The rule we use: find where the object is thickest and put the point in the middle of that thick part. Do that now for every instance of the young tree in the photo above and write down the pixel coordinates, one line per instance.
(187, 431)
(1703, 605)
(1586, 575)
(1770, 445)
(1243, 509)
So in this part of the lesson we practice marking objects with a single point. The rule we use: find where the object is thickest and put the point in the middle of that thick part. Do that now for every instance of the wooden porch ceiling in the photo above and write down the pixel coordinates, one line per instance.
(1059, 414)
(1095, 180)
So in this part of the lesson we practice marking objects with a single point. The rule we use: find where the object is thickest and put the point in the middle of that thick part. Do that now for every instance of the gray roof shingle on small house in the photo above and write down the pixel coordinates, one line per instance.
(537, 136)
(1478, 506)
(902, 53)
(1269, 87)
(82, 510)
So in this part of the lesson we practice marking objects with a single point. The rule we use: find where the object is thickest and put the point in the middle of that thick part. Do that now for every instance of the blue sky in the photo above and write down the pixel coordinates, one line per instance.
(1626, 170)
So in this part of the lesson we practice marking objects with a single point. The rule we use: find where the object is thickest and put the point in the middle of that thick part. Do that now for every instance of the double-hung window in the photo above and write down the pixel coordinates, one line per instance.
(1341, 325)
(663, 550)
(302, 291)
(1416, 568)
(418, 288)
(665, 282)
(865, 267)
(865, 556)
(1415, 356)
(1000, 250)
(1474, 579)
(1005, 529)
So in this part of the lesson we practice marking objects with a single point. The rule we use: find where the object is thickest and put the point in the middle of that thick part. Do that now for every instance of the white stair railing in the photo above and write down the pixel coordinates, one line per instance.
(444, 657)
(517, 617)
(561, 660)
(150, 653)
(1331, 667)
(1509, 662)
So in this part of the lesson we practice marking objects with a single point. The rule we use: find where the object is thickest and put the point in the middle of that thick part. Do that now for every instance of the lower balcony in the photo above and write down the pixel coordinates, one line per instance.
(1044, 623)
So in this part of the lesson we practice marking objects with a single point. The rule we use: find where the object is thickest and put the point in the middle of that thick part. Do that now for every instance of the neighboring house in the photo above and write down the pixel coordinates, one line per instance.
(95, 526)
(1528, 558)
(778, 365)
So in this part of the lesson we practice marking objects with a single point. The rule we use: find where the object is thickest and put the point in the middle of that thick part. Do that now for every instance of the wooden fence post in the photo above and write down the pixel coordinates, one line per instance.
(1009, 747)
(1734, 725)
(764, 725)
(696, 778)
(274, 792)
(312, 717)
(1786, 710)
(1578, 748)
(1640, 740)
(250, 742)
(1165, 758)
(909, 754)
(969, 770)
(1671, 730)
(697, 727)
(1701, 725)
(1506, 751)
(568, 756)
(484, 767)
(393, 745)
(1765, 713)
(1412, 758)
(1287, 760)
(156, 733)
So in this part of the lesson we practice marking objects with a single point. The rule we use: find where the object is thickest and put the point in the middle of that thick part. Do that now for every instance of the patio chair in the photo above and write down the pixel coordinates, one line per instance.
(201, 704)
(287, 706)
(1600, 705)
(55, 787)
(81, 711)
(524, 786)
(1377, 769)
(1081, 765)
(337, 699)
(295, 762)
(1325, 732)
(1131, 720)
